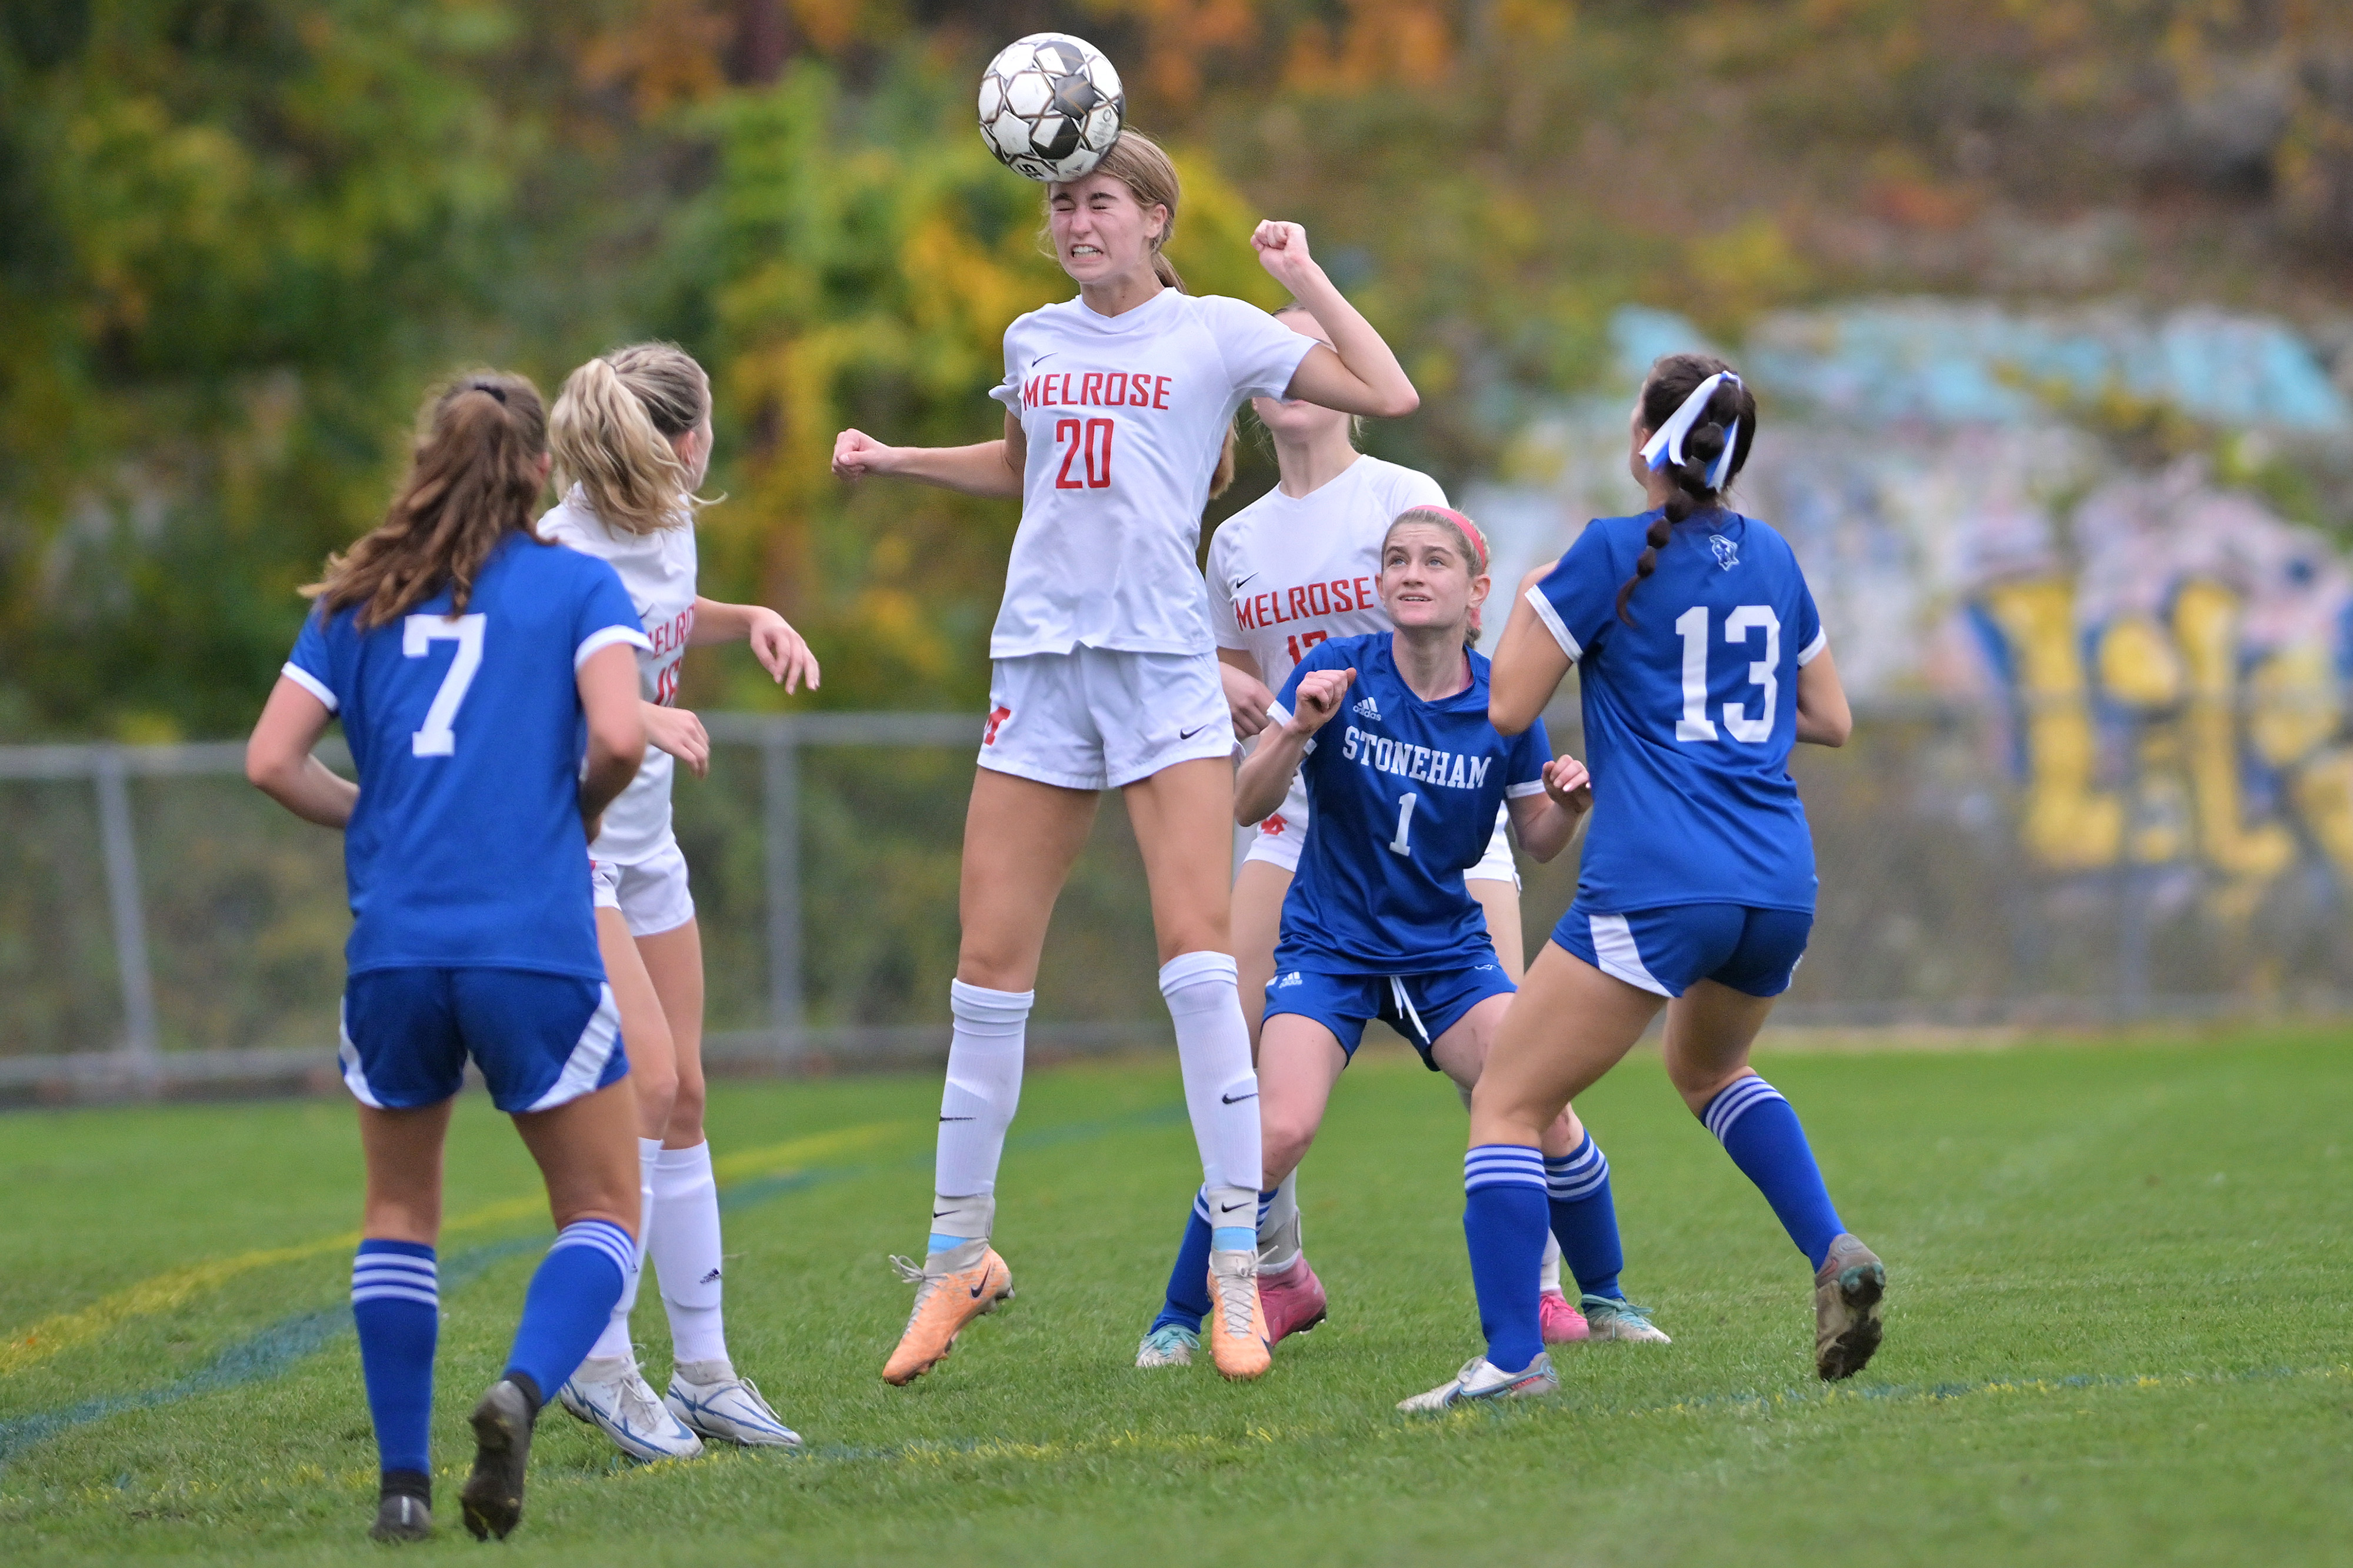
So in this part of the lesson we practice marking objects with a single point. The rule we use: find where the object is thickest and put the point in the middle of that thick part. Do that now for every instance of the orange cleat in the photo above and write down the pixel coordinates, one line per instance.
(1238, 1340)
(944, 1303)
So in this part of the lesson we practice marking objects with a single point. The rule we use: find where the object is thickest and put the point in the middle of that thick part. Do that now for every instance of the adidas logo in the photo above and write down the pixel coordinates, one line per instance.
(1367, 707)
(710, 1276)
(1293, 978)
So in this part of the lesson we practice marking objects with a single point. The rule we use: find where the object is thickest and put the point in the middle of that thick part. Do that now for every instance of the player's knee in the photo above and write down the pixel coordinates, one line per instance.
(685, 1123)
(656, 1086)
(1286, 1139)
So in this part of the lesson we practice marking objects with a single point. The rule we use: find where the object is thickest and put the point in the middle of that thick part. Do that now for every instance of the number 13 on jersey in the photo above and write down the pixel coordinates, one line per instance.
(1738, 627)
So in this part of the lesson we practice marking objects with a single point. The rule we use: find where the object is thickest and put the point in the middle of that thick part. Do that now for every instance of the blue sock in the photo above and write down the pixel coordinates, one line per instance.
(1761, 1133)
(397, 1305)
(1504, 1221)
(1584, 1220)
(570, 1300)
(1188, 1282)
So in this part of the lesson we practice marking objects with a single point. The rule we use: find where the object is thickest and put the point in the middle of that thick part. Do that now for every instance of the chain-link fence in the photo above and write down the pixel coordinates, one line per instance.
(162, 924)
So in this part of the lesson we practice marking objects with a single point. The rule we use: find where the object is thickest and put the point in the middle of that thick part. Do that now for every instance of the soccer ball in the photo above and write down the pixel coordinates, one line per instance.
(1050, 105)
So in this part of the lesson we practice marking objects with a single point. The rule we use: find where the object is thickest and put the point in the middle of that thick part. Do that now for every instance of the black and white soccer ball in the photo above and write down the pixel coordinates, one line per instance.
(1050, 105)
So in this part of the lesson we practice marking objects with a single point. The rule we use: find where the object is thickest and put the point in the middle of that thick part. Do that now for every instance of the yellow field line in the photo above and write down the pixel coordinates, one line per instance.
(175, 1288)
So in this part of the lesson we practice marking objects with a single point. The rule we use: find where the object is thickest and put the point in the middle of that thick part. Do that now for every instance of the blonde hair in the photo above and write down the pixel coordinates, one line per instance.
(1137, 162)
(1468, 535)
(473, 478)
(611, 432)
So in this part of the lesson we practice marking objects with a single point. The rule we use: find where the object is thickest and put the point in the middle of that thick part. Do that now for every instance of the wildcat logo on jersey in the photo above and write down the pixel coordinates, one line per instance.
(1368, 707)
(1727, 554)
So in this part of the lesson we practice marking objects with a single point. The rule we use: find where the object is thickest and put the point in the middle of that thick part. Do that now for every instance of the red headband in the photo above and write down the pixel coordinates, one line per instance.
(1470, 531)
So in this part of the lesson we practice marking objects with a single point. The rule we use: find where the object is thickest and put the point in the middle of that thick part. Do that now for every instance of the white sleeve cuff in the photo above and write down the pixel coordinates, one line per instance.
(1813, 649)
(604, 638)
(311, 684)
(1551, 619)
(1518, 791)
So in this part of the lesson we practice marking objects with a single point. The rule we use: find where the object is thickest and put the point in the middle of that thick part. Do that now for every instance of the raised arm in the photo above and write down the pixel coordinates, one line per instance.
(1359, 373)
(1527, 667)
(781, 650)
(1548, 823)
(1265, 775)
(985, 469)
(1823, 717)
(278, 760)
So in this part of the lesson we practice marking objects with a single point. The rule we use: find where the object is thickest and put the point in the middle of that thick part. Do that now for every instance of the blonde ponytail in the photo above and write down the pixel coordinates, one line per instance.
(611, 431)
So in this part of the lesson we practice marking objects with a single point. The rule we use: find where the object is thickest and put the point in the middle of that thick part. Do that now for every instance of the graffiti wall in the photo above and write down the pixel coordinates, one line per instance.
(2153, 670)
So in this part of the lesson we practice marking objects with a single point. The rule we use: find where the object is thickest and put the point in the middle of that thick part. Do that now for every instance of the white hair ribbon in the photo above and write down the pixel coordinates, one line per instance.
(1666, 443)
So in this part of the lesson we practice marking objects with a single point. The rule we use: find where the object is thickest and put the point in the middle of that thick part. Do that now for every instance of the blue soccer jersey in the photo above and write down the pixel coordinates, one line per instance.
(466, 849)
(1402, 800)
(1690, 712)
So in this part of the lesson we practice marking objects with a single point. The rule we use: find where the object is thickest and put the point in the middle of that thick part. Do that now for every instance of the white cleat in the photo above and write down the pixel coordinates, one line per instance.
(1171, 1344)
(610, 1393)
(708, 1398)
(1610, 1317)
(1481, 1380)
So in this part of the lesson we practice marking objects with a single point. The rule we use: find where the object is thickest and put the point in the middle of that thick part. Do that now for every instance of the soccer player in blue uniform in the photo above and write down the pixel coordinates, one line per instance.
(1701, 661)
(487, 683)
(1404, 776)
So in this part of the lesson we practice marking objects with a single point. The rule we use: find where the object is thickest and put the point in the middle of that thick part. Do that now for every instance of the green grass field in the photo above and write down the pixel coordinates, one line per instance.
(2118, 1334)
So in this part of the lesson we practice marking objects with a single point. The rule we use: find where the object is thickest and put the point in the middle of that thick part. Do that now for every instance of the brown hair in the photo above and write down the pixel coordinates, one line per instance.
(1673, 378)
(1468, 535)
(612, 429)
(1139, 163)
(473, 478)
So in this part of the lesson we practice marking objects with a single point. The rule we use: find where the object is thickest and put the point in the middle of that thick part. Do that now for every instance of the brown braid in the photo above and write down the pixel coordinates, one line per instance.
(1672, 379)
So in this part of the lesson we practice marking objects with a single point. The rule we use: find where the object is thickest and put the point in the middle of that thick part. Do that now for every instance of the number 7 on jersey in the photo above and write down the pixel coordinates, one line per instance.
(439, 737)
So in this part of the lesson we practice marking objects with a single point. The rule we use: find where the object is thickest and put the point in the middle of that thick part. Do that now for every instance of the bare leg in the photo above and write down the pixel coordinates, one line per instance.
(644, 1028)
(1020, 839)
(403, 1151)
(586, 1153)
(672, 963)
(1569, 1026)
(1500, 902)
(1299, 1062)
(1258, 892)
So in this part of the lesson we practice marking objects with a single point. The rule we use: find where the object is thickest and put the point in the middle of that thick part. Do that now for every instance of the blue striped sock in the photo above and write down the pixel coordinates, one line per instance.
(1503, 1221)
(1584, 1219)
(1763, 1136)
(570, 1301)
(396, 1307)
(1187, 1301)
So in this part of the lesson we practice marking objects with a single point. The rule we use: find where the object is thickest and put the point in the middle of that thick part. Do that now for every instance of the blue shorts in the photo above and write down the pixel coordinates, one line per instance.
(1666, 949)
(1421, 1007)
(542, 1040)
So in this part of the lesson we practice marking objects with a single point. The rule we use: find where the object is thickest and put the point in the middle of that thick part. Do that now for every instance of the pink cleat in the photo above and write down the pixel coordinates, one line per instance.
(1293, 1301)
(1563, 1324)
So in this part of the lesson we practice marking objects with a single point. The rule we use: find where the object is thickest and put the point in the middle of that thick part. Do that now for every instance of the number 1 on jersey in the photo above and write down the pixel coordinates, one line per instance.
(1398, 846)
(439, 737)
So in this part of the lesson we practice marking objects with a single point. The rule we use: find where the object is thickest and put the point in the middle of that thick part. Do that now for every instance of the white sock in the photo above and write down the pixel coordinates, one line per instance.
(1277, 1234)
(984, 1088)
(1549, 1277)
(615, 1340)
(1204, 1002)
(685, 1249)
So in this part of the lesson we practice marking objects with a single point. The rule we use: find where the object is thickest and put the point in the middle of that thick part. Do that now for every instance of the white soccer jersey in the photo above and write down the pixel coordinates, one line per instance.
(658, 570)
(1286, 574)
(1124, 416)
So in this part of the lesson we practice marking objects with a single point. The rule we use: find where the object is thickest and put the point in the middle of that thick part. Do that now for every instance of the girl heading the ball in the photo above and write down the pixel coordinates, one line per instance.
(1105, 676)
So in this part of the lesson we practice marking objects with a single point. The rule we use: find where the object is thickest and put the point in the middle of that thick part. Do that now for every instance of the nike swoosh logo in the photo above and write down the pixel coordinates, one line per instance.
(1240, 581)
(1188, 734)
(1228, 1208)
(978, 1289)
(959, 1118)
(1238, 1099)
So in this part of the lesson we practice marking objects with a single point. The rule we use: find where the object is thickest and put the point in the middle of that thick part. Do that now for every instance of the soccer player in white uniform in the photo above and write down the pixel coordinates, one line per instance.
(632, 433)
(1294, 569)
(484, 681)
(1118, 405)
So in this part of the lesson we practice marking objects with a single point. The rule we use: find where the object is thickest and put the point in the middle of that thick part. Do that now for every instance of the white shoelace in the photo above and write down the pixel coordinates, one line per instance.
(1235, 1299)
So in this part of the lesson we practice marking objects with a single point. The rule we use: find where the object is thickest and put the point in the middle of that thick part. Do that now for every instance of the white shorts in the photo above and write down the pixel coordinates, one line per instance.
(651, 893)
(1278, 840)
(1099, 717)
